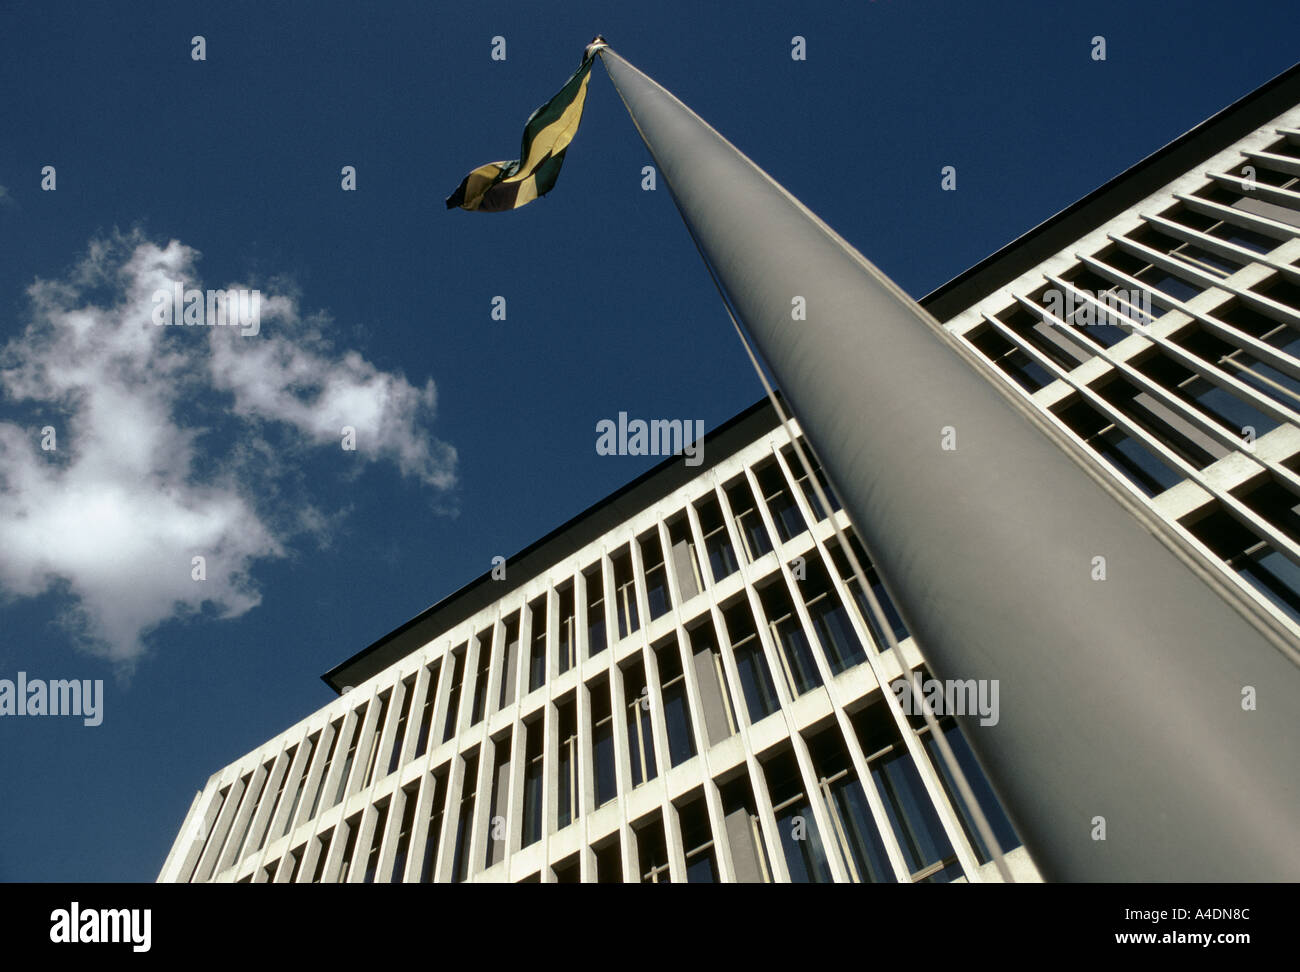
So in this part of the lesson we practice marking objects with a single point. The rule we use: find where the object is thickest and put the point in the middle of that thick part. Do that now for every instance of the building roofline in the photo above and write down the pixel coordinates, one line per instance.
(1206, 139)
(1223, 128)
(626, 501)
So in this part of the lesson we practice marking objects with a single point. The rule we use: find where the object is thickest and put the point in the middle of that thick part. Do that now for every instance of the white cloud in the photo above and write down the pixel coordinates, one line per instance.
(134, 489)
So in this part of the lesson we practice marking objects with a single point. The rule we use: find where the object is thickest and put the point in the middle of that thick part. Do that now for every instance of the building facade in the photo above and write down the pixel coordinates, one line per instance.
(680, 684)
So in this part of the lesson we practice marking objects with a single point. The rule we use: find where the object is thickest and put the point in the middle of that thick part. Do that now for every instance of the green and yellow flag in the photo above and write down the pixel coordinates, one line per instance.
(499, 186)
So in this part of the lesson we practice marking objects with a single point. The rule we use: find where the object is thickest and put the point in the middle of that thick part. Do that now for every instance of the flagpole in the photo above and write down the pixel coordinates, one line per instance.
(1123, 750)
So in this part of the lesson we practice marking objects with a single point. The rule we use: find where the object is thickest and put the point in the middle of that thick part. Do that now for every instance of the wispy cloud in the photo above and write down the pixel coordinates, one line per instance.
(138, 484)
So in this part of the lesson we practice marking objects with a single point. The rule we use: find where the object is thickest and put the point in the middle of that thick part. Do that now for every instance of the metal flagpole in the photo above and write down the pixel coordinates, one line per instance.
(1122, 750)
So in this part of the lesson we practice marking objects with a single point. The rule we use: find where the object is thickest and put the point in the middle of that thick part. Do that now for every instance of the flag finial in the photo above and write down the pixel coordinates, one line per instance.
(596, 44)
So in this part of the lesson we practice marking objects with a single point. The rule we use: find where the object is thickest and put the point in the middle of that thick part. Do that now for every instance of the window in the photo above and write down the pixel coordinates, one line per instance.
(1004, 833)
(214, 816)
(697, 839)
(853, 828)
(652, 850)
(510, 660)
(602, 726)
(433, 826)
(805, 855)
(755, 677)
(479, 708)
(399, 733)
(609, 863)
(658, 599)
(830, 619)
(788, 634)
(677, 713)
(537, 654)
(748, 522)
(805, 486)
(926, 849)
(625, 594)
(353, 824)
(410, 800)
(453, 700)
(496, 822)
(1132, 458)
(748, 851)
(886, 603)
(322, 854)
(465, 818)
(533, 791)
(279, 794)
(426, 712)
(596, 637)
(236, 852)
(376, 842)
(780, 501)
(640, 738)
(716, 705)
(567, 639)
(377, 737)
(567, 781)
(1021, 367)
(684, 557)
(302, 783)
(296, 856)
(568, 871)
(358, 722)
(717, 543)
(335, 728)
(1265, 568)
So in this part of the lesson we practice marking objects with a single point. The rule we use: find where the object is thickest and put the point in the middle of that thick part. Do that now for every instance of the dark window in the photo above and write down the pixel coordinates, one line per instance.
(399, 733)
(805, 855)
(697, 840)
(755, 677)
(652, 851)
(997, 819)
(351, 754)
(433, 826)
(658, 599)
(426, 712)
(853, 828)
(453, 699)
(748, 521)
(537, 654)
(625, 594)
(800, 668)
(640, 738)
(677, 714)
(567, 781)
(376, 842)
(465, 819)
(596, 636)
(926, 849)
(780, 501)
(717, 543)
(532, 831)
(410, 798)
(602, 723)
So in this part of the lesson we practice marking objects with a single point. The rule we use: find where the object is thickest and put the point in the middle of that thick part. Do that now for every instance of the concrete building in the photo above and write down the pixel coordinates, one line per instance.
(680, 683)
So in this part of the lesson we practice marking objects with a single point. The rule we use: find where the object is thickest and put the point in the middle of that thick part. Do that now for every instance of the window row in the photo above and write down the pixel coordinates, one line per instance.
(809, 815)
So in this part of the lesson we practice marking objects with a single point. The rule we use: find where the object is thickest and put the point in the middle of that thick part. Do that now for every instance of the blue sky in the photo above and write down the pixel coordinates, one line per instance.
(475, 436)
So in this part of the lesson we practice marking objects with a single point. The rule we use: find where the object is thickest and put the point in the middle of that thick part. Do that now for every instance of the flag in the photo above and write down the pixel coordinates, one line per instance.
(499, 186)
